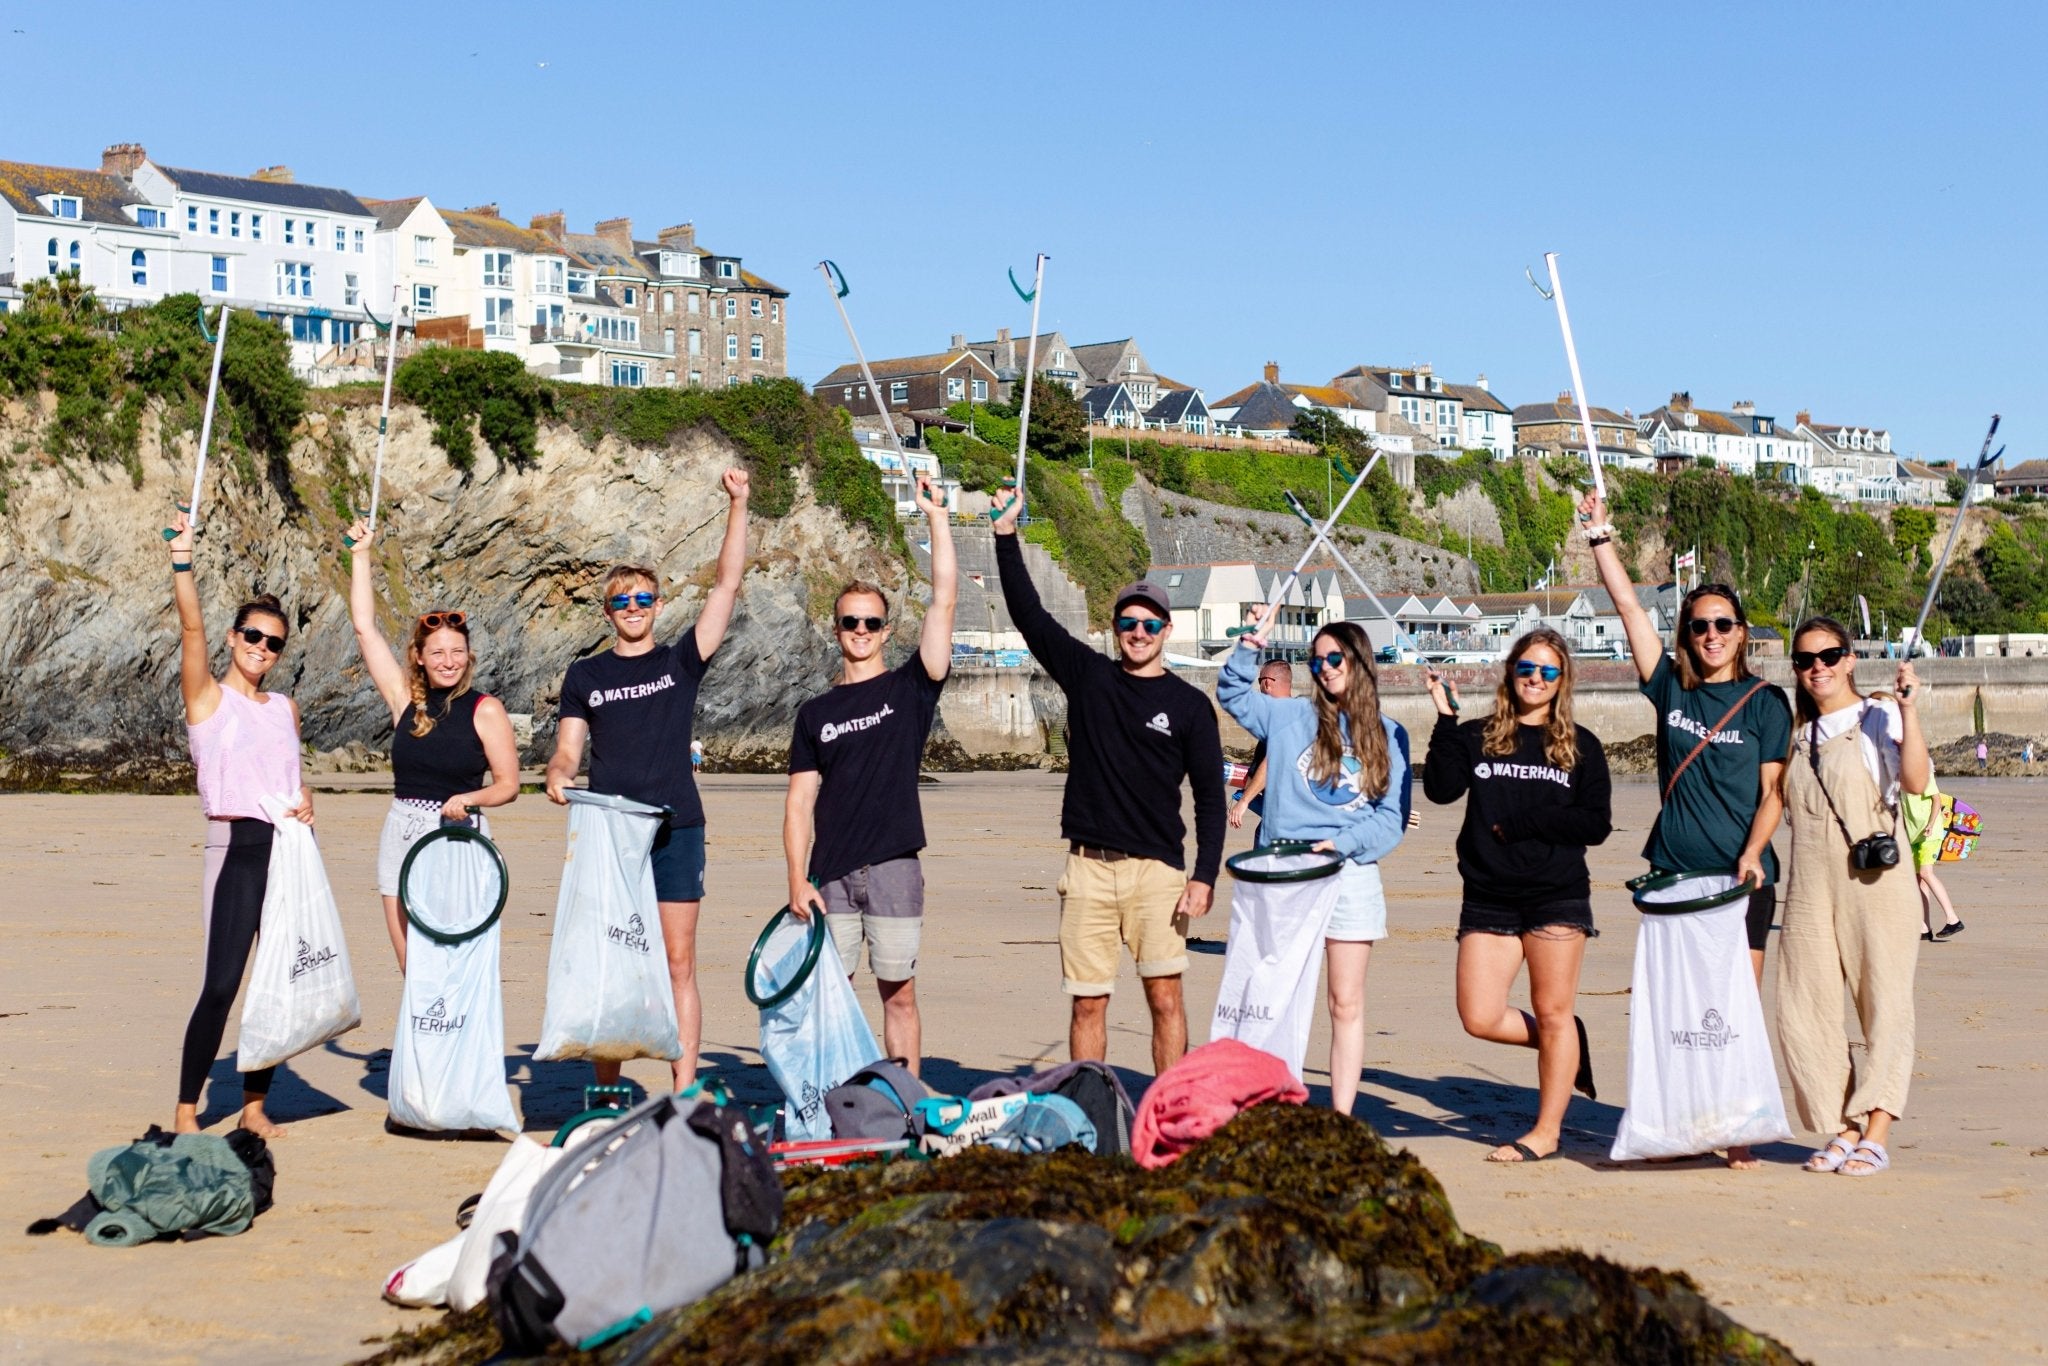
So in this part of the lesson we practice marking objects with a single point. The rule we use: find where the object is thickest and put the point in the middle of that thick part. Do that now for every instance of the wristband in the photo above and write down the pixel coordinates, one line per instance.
(177, 568)
(1597, 540)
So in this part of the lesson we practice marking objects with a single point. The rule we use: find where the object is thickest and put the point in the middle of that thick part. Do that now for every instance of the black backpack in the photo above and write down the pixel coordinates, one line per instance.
(1090, 1085)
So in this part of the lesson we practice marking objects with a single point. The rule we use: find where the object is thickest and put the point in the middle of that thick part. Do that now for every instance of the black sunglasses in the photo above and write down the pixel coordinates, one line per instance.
(621, 601)
(256, 637)
(1151, 626)
(853, 623)
(1529, 668)
(1332, 660)
(1725, 626)
(1802, 660)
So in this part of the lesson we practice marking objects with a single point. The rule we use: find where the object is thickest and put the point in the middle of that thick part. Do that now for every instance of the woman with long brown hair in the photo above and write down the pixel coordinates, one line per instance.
(1340, 779)
(452, 749)
(1537, 794)
(1852, 908)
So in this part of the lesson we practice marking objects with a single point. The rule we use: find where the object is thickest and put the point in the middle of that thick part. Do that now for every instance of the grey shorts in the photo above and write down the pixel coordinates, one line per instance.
(883, 904)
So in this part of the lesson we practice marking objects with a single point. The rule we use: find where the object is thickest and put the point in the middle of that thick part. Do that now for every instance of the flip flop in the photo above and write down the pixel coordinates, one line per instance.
(1825, 1159)
(1528, 1154)
(1583, 1082)
(1873, 1155)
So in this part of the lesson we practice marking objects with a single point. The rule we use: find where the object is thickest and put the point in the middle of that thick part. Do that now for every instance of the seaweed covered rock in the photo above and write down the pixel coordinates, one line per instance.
(1291, 1235)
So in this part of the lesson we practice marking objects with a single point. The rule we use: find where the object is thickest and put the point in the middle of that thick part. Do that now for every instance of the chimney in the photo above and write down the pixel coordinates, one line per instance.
(553, 225)
(122, 159)
(959, 341)
(1745, 407)
(1002, 335)
(1272, 372)
(1564, 398)
(1480, 383)
(274, 175)
(1804, 419)
(1681, 402)
(1424, 369)
(484, 211)
(683, 237)
(617, 231)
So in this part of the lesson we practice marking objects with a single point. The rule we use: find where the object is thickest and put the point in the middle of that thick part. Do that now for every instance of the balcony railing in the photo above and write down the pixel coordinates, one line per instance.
(565, 335)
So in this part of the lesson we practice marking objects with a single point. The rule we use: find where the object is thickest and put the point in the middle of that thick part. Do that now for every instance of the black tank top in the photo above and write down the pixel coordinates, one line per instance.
(446, 760)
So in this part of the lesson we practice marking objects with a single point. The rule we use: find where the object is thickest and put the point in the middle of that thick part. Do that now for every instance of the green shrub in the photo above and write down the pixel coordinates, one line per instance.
(470, 393)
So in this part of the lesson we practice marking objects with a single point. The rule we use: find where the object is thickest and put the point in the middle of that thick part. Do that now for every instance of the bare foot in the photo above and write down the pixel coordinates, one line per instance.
(1740, 1159)
(187, 1121)
(260, 1124)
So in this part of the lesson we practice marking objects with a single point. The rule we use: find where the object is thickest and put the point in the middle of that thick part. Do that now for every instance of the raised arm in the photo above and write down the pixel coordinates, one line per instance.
(935, 642)
(1645, 646)
(1053, 645)
(195, 676)
(1446, 769)
(732, 562)
(1916, 769)
(376, 651)
(799, 824)
(1237, 689)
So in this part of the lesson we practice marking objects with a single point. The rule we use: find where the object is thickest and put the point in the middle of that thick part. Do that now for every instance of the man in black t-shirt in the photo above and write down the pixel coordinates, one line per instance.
(852, 823)
(634, 705)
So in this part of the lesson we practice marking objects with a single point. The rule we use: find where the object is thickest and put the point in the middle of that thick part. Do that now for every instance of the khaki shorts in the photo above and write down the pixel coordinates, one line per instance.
(1106, 904)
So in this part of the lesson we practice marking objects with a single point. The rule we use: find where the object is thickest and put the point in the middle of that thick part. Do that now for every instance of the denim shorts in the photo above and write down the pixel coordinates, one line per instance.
(1571, 915)
(679, 863)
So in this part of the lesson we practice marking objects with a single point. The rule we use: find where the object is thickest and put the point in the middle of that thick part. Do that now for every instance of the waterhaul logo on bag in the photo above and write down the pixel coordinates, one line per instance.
(1712, 1033)
(309, 959)
(600, 696)
(1678, 720)
(631, 935)
(435, 1019)
(1239, 1014)
(830, 731)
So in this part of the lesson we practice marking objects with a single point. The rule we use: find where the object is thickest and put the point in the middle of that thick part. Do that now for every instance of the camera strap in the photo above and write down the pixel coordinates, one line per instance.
(1813, 757)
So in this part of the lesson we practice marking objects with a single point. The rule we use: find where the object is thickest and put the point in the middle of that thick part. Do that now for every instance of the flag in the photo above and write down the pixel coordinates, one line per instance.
(977, 580)
(1688, 559)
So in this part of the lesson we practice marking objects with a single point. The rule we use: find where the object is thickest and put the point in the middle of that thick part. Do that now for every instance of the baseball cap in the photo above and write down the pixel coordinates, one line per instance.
(1147, 592)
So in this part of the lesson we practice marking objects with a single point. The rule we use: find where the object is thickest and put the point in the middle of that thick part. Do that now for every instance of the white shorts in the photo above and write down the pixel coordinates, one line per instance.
(407, 820)
(1361, 912)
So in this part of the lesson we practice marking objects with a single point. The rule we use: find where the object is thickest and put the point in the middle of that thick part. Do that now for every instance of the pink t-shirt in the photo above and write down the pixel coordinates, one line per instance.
(244, 752)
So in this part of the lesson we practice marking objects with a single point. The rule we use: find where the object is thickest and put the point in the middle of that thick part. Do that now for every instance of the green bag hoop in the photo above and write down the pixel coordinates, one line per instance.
(1236, 863)
(1657, 882)
(803, 973)
(458, 833)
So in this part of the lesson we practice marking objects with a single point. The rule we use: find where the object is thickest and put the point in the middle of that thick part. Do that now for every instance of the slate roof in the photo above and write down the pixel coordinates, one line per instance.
(604, 255)
(284, 195)
(1103, 361)
(1267, 408)
(1475, 398)
(1321, 395)
(1534, 413)
(488, 230)
(901, 367)
(101, 198)
(1105, 399)
(1194, 581)
(391, 213)
(1176, 405)
(1706, 420)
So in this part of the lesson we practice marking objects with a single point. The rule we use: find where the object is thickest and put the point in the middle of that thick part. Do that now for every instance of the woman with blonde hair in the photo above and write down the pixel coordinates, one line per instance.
(1340, 780)
(1537, 795)
(452, 749)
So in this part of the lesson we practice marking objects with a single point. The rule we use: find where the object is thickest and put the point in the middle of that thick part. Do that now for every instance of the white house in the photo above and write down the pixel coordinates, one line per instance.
(1209, 600)
(1851, 462)
(88, 224)
(415, 250)
(1486, 424)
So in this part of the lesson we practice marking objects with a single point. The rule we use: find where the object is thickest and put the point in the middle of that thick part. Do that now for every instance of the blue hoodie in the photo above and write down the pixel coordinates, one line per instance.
(1364, 829)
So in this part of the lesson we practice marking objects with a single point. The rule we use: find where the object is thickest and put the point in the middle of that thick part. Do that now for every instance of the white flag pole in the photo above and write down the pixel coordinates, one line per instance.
(1030, 365)
(1571, 356)
(220, 342)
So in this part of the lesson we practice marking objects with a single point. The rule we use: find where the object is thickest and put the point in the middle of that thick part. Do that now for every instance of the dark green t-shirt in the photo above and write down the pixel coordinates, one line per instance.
(1706, 821)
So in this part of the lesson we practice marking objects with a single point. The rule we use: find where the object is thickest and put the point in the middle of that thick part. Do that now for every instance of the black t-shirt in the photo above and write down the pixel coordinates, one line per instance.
(864, 741)
(1546, 815)
(1706, 821)
(640, 709)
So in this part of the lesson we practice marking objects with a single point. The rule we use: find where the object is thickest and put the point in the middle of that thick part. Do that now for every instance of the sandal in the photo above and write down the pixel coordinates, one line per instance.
(1583, 1082)
(1825, 1159)
(1527, 1154)
(1872, 1155)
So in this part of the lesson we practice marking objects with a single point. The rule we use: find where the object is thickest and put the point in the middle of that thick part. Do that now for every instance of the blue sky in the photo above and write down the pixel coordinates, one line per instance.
(1831, 207)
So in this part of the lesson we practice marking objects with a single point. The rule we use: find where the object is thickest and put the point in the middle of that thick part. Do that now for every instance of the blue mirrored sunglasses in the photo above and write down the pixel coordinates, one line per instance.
(1529, 668)
(621, 601)
(1152, 626)
(1332, 660)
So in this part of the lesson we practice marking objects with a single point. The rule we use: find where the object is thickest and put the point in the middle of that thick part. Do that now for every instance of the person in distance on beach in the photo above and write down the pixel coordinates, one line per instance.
(1345, 785)
(245, 747)
(1851, 918)
(452, 748)
(634, 706)
(1135, 733)
(1537, 795)
(1722, 734)
(852, 823)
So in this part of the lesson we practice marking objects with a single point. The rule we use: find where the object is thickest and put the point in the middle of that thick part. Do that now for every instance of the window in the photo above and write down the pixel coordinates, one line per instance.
(56, 256)
(668, 300)
(668, 377)
(351, 293)
(775, 311)
(629, 374)
(899, 391)
(294, 280)
(256, 227)
(728, 270)
(579, 282)
(291, 233)
(668, 341)
(423, 301)
(138, 266)
(956, 388)
(1411, 410)
(498, 317)
(981, 391)
(192, 218)
(693, 303)
(213, 222)
(755, 349)
(679, 263)
(1446, 414)
(696, 342)
(340, 238)
(732, 346)
(547, 276)
(422, 247)
(63, 206)
(732, 381)
(217, 276)
(234, 223)
(612, 328)
(356, 238)
(732, 307)
(149, 218)
(754, 307)
(632, 296)
(74, 260)
(312, 231)
(1393, 381)
(497, 270)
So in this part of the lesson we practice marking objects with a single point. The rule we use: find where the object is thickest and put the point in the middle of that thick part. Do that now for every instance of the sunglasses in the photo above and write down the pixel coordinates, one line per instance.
(454, 621)
(621, 601)
(1332, 660)
(1151, 626)
(1802, 660)
(1724, 626)
(871, 625)
(1529, 668)
(256, 637)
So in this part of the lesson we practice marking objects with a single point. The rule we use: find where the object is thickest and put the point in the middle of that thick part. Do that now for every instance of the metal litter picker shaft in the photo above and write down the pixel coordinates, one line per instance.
(1984, 458)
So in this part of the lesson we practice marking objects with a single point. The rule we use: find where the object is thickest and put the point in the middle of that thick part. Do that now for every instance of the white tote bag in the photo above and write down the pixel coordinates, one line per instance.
(814, 1037)
(1279, 911)
(1700, 1074)
(609, 997)
(301, 991)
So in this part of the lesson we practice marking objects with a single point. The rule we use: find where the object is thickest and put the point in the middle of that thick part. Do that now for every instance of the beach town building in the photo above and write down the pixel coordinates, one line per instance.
(1739, 440)
(1924, 484)
(1849, 462)
(916, 387)
(1181, 408)
(2029, 476)
(1006, 355)
(89, 225)
(1553, 428)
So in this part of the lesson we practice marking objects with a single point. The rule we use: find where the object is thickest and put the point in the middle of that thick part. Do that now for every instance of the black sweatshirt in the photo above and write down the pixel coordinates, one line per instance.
(1527, 824)
(1131, 741)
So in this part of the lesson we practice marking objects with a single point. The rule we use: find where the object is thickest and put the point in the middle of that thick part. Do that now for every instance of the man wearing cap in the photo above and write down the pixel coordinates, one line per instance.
(1135, 731)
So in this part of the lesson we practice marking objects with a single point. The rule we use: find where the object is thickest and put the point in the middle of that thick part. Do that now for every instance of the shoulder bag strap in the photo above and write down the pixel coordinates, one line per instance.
(1708, 738)
(1813, 757)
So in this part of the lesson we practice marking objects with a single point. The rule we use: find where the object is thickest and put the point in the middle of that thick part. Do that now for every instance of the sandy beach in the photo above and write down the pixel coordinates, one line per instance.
(100, 922)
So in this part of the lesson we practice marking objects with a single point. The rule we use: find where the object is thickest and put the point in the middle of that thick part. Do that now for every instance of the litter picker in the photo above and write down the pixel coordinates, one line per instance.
(1030, 360)
(1281, 587)
(1985, 457)
(384, 413)
(836, 279)
(219, 340)
(1571, 355)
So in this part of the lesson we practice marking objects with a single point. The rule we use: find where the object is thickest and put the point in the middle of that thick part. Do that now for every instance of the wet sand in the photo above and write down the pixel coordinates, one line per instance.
(100, 927)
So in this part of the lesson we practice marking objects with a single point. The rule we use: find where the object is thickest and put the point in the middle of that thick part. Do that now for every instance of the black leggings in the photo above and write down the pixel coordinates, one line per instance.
(234, 915)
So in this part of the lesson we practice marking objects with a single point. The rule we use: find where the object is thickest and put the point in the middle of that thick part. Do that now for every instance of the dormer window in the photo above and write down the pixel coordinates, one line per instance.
(62, 205)
(728, 270)
(680, 264)
(1393, 381)
(149, 218)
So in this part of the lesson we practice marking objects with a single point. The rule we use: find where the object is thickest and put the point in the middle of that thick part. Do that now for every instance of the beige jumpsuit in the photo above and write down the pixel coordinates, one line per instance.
(1844, 925)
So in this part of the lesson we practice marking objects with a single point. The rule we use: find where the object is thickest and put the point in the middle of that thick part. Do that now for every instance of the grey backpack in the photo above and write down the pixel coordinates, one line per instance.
(671, 1202)
(880, 1101)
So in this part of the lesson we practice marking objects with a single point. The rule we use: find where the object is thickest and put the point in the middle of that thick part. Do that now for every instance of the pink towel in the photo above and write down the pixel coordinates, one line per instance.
(1203, 1092)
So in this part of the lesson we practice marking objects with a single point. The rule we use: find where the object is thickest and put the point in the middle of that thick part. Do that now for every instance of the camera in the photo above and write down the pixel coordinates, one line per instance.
(1874, 851)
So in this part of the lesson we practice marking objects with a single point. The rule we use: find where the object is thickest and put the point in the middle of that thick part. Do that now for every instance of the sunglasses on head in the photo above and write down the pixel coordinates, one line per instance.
(621, 601)
(871, 624)
(275, 644)
(454, 621)
(1802, 660)
(1151, 626)
(1332, 660)
(1529, 668)
(1724, 626)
